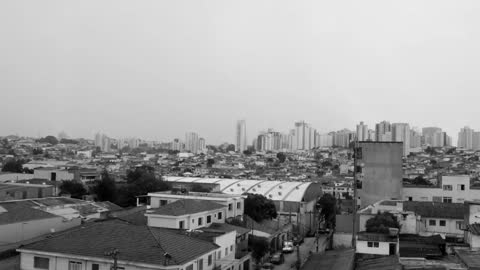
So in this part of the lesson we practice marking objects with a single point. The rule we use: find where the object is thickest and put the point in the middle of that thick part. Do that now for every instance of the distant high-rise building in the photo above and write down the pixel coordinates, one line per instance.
(465, 138)
(415, 139)
(192, 142)
(325, 140)
(301, 135)
(362, 132)
(98, 139)
(383, 131)
(401, 133)
(343, 138)
(371, 135)
(241, 136)
(429, 135)
(176, 145)
(202, 147)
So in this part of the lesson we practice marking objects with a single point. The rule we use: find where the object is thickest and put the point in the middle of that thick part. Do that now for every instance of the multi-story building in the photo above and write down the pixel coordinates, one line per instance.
(241, 136)
(401, 133)
(429, 134)
(324, 140)
(192, 142)
(383, 131)
(465, 138)
(362, 132)
(202, 145)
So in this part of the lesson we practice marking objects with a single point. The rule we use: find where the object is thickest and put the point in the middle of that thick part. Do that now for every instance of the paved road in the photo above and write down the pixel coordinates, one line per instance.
(307, 246)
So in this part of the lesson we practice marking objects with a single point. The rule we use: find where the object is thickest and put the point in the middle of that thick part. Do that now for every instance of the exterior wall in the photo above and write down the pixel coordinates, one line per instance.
(61, 262)
(472, 213)
(449, 229)
(457, 195)
(342, 240)
(15, 232)
(382, 172)
(15, 177)
(473, 240)
(234, 212)
(190, 221)
(26, 192)
(227, 246)
(46, 174)
(383, 248)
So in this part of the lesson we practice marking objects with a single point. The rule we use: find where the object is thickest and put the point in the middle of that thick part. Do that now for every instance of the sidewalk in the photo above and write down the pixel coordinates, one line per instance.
(308, 245)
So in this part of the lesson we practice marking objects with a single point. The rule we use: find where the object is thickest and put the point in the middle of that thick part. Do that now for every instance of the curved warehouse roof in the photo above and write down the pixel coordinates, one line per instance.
(275, 190)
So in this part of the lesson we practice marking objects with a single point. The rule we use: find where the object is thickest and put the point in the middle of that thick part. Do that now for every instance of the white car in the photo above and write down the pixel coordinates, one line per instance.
(288, 247)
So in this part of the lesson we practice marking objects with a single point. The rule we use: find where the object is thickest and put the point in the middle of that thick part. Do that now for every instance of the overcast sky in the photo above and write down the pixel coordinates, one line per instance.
(156, 69)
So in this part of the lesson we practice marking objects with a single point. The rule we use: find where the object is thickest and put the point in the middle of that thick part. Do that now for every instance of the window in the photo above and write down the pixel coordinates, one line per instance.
(459, 225)
(74, 265)
(181, 224)
(447, 199)
(376, 244)
(219, 215)
(200, 221)
(209, 219)
(163, 202)
(41, 263)
(95, 266)
(200, 264)
(239, 205)
(210, 259)
(226, 251)
(230, 207)
(447, 187)
(190, 267)
(443, 223)
(193, 221)
(231, 248)
(460, 187)
(219, 254)
(410, 198)
(370, 244)
(432, 222)
(373, 244)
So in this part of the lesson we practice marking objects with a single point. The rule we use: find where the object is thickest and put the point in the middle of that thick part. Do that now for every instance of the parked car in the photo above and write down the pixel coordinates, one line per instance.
(277, 258)
(288, 247)
(268, 266)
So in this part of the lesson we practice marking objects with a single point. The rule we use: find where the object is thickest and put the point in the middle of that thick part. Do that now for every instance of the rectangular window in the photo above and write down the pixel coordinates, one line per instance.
(219, 254)
(190, 267)
(239, 205)
(210, 259)
(447, 187)
(231, 248)
(437, 199)
(41, 263)
(369, 244)
(230, 207)
(209, 219)
(163, 202)
(443, 223)
(95, 266)
(181, 224)
(226, 251)
(200, 221)
(74, 265)
(460, 187)
(219, 215)
(376, 244)
(459, 225)
(432, 222)
(447, 199)
(200, 264)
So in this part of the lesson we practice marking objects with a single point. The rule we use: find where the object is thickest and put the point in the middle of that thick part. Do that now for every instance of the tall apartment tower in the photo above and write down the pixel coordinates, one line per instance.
(383, 132)
(241, 136)
(430, 135)
(465, 138)
(362, 132)
(401, 133)
(302, 134)
(192, 142)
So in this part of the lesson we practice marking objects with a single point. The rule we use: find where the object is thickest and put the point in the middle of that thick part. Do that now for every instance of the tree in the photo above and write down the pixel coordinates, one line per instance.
(210, 162)
(68, 141)
(106, 188)
(327, 203)
(281, 157)
(37, 151)
(259, 247)
(75, 189)
(230, 147)
(381, 222)
(248, 152)
(259, 208)
(13, 165)
(419, 180)
(327, 163)
(140, 181)
(49, 139)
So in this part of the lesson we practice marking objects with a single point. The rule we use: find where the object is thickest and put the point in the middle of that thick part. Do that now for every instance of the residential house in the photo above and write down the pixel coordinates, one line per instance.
(377, 244)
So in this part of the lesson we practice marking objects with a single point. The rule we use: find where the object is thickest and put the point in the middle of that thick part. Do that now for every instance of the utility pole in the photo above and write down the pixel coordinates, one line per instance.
(114, 254)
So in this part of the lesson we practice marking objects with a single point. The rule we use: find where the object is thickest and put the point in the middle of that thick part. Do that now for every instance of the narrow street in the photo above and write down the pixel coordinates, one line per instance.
(307, 246)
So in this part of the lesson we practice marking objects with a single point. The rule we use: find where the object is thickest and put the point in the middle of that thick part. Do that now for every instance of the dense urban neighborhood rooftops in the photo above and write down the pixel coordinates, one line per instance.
(185, 207)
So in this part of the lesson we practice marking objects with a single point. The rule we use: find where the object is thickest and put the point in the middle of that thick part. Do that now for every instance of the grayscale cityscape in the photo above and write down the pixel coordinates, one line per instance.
(249, 135)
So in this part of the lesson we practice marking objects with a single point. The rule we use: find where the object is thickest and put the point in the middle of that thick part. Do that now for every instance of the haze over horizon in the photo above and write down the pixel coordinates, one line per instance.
(156, 70)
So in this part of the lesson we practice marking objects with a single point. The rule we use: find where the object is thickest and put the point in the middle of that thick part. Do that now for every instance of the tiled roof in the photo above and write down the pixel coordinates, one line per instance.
(379, 237)
(225, 227)
(380, 263)
(21, 211)
(336, 259)
(474, 228)
(186, 207)
(139, 244)
(435, 209)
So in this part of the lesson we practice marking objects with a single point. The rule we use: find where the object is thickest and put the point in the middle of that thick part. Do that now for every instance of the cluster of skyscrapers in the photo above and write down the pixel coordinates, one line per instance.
(193, 144)
(469, 139)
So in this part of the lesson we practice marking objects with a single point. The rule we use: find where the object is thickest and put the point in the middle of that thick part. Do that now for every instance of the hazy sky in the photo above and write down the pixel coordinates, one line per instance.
(156, 69)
